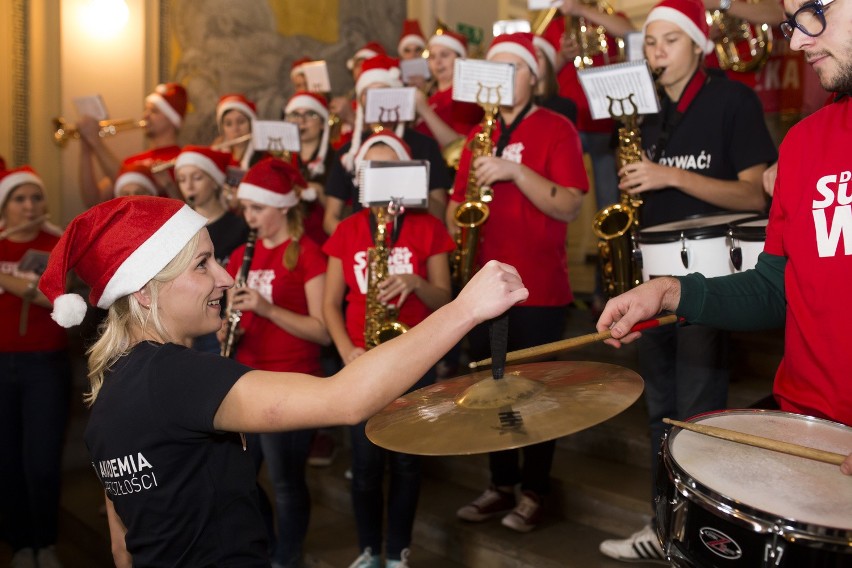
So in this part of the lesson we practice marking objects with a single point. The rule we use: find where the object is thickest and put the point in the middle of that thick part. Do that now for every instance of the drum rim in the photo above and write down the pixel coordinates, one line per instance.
(784, 527)
(720, 229)
(749, 234)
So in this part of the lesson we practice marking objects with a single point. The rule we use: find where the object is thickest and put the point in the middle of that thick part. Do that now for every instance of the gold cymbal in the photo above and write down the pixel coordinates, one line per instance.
(532, 403)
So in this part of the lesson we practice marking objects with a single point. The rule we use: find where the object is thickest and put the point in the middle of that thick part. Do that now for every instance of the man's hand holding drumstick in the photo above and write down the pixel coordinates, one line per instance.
(639, 304)
(642, 303)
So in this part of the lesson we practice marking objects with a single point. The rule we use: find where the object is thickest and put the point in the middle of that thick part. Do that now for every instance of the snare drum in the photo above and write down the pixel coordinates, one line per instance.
(724, 504)
(747, 237)
(696, 244)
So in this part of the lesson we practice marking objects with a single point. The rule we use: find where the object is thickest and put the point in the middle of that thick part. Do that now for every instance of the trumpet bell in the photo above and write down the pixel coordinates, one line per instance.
(62, 132)
(452, 153)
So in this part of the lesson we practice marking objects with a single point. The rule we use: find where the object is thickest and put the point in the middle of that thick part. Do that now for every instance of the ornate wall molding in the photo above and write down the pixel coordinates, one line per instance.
(20, 83)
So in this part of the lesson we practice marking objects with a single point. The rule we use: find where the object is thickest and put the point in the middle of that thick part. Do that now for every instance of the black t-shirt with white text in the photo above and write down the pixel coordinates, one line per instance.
(721, 133)
(185, 492)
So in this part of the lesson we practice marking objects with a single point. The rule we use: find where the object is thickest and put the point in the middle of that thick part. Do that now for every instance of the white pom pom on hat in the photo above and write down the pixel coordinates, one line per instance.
(116, 247)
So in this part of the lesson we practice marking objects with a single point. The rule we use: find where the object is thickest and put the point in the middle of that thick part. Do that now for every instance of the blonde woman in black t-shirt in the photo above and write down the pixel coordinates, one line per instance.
(165, 420)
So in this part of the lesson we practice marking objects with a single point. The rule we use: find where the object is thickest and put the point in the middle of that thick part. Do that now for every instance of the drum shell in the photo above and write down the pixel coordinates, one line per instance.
(703, 238)
(688, 510)
(749, 235)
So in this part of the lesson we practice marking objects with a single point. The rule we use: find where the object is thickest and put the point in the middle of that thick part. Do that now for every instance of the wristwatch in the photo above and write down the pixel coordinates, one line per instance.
(724, 5)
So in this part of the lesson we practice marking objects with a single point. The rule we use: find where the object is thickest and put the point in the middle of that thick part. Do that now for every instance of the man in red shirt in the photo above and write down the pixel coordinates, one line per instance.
(163, 116)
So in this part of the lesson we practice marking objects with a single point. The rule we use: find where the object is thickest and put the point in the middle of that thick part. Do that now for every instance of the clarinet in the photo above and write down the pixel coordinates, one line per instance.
(233, 316)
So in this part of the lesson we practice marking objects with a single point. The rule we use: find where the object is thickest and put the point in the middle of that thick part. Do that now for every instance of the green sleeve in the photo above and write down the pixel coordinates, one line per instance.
(748, 301)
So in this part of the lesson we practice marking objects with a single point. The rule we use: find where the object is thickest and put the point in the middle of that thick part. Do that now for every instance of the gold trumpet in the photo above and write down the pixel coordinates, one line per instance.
(62, 132)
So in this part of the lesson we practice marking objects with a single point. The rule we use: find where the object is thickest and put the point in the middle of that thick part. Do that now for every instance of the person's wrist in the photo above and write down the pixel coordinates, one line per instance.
(32, 290)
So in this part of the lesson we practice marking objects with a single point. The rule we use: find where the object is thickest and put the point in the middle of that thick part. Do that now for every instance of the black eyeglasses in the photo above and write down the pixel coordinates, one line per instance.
(809, 19)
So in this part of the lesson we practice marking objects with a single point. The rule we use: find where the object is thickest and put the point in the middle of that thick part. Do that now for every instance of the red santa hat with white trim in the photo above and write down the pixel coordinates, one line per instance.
(382, 70)
(318, 104)
(135, 173)
(212, 162)
(10, 179)
(171, 99)
(451, 40)
(273, 182)
(298, 66)
(520, 44)
(237, 102)
(411, 35)
(116, 248)
(394, 142)
(550, 39)
(688, 15)
(370, 49)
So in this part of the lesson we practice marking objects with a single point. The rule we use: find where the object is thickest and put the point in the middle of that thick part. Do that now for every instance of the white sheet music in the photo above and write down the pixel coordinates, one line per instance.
(380, 182)
(92, 105)
(275, 136)
(543, 4)
(316, 77)
(389, 105)
(634, 43)
(619, 81)
(483, 82)
(414, 68)
(501, 27)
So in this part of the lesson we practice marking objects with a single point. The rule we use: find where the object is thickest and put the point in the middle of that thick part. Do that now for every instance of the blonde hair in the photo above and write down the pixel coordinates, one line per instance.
(127, 319)
(296, 228)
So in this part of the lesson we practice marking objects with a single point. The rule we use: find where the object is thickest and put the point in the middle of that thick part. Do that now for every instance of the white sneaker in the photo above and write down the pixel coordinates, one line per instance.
(366, 560)
(490, 504)
(24, 558)
(47, 558)
(641, 546)
(402, 562)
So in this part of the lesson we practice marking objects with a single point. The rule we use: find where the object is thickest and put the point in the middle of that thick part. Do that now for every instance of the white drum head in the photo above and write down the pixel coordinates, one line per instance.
(799, 489)
(699, 222)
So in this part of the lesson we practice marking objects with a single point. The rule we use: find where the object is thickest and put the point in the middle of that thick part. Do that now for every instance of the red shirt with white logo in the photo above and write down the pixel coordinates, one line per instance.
(264, 345)
(42, 334)
(810, 223)
(420, 237)
(517, 232)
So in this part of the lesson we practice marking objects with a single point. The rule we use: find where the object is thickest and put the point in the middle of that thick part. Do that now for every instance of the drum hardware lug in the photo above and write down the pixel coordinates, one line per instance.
(773, 551)
(684, 252)
(737, 257)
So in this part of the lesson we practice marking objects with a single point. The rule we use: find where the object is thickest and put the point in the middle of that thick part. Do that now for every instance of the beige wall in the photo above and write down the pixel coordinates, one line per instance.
(109, 62)
(68, 58)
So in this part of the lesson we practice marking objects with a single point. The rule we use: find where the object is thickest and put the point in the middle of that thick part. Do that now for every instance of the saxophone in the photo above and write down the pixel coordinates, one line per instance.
(233, 316)
(380, 323)
(473, 211)
(616, 225)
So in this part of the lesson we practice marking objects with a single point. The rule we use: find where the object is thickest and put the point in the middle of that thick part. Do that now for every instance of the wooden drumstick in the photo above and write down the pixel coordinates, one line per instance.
(573, 342)
(760, 442)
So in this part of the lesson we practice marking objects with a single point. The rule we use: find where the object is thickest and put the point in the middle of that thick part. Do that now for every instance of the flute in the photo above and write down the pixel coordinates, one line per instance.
(29, 225)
